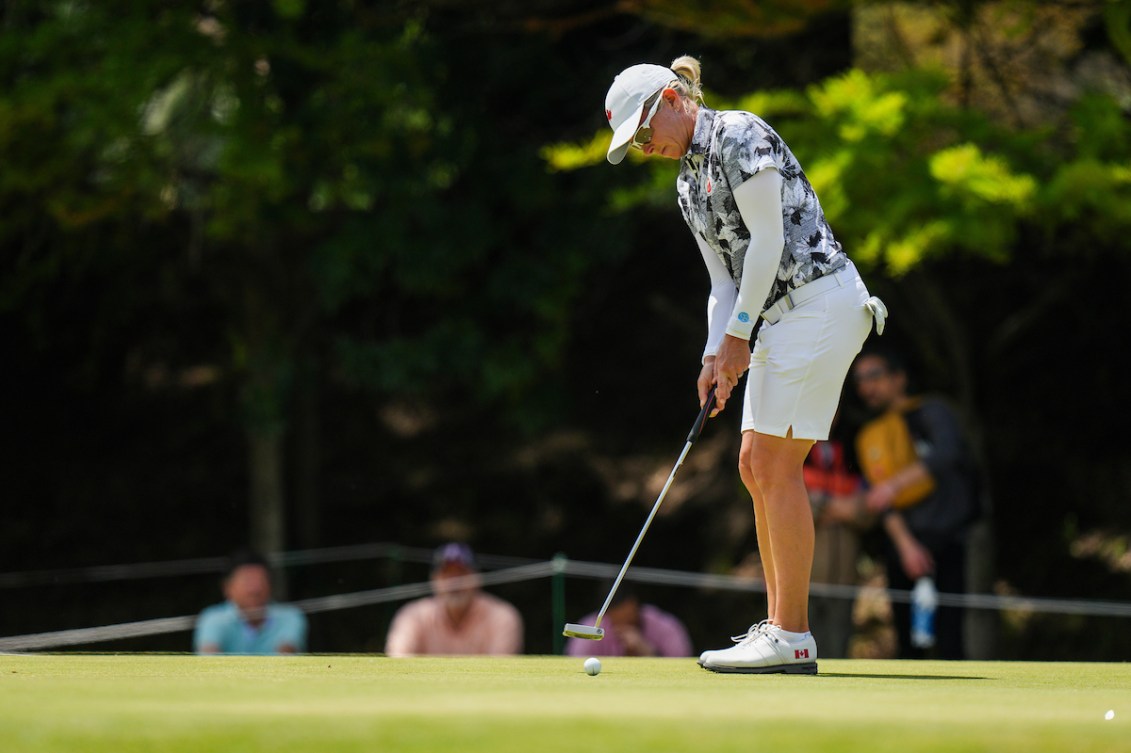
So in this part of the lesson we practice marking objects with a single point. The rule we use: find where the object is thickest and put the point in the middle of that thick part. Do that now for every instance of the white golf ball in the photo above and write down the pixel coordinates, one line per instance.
(592, 666)
(1109, 715)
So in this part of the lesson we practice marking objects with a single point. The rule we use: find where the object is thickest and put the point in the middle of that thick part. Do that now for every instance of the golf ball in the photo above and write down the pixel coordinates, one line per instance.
(592, 666)
(1109, 715)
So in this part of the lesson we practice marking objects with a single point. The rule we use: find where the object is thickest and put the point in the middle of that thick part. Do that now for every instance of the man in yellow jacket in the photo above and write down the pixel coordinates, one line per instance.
(923, 481)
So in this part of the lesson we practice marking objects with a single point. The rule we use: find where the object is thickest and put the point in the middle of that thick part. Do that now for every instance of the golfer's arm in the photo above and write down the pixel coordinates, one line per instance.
(759, 203)
(720, 302)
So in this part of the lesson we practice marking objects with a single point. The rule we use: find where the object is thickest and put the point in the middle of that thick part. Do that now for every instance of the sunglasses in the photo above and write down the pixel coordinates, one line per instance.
(643, 134)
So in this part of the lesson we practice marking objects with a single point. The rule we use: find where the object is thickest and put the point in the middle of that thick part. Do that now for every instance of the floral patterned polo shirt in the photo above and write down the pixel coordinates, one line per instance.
(729, 147)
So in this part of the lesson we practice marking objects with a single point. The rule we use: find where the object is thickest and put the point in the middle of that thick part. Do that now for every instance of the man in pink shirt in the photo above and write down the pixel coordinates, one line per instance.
(459, 618)
(634, 629)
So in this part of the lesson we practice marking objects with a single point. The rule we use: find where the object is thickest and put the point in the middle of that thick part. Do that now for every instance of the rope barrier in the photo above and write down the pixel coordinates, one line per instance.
(164, 625)
(736, 583)
(216, 565)
(509, 570)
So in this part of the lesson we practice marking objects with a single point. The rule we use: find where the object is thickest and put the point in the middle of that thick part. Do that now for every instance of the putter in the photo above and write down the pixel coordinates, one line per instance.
(595, 632)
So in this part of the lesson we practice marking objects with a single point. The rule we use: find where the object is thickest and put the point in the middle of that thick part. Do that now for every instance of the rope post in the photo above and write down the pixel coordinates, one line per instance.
(557, 590)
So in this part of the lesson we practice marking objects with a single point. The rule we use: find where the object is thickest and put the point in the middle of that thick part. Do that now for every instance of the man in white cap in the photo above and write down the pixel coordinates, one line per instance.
(459, 619)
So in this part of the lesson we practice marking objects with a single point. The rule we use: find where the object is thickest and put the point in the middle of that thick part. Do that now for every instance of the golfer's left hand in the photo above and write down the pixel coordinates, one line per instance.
(705, 382)
(731, 362)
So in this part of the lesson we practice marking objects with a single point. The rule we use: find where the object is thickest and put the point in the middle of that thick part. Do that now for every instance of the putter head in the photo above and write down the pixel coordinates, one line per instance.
(588, 632)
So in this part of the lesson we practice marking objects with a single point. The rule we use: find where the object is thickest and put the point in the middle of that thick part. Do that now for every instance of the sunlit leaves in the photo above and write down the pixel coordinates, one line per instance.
(904, 176)
(860, 107)
(899, 252)
(769, 104)
(571, 156)
(829, 176)
(1091, 195)
(966, 173)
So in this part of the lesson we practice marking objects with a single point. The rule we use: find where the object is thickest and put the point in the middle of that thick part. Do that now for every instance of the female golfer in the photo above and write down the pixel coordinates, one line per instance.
(770, 254)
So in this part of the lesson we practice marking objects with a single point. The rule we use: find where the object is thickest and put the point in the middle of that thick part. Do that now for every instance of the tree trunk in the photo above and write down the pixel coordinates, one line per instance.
(306, 457)
(981, 625)
(266, 496)
(268, 367)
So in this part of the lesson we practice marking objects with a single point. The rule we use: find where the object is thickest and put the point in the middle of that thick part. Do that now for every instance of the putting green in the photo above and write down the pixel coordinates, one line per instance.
(187, 704)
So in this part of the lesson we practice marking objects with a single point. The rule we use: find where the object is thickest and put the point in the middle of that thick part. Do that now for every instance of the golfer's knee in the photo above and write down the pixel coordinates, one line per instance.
(765, 468)
(745, 469)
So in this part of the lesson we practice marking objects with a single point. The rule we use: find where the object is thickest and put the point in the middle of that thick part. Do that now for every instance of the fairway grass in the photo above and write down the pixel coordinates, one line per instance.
(337, 704)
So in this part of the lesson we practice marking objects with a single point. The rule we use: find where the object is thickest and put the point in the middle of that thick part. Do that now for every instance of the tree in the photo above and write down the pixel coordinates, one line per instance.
(309, 173)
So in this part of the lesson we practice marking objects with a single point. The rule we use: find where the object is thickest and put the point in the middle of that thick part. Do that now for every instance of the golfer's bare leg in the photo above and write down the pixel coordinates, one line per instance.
(765, 548)
(777, 467)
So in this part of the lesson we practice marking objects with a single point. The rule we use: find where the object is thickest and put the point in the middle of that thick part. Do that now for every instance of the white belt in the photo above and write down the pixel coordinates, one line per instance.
(809, 290)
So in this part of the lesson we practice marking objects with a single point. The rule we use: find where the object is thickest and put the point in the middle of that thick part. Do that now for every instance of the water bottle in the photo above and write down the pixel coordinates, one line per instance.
(924, 601)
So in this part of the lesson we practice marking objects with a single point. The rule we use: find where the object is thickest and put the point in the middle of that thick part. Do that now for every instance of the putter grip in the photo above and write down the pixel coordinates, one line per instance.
(701, 421)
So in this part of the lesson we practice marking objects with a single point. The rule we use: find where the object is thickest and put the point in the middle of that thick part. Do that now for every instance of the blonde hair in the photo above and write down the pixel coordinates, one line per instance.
(688, 69)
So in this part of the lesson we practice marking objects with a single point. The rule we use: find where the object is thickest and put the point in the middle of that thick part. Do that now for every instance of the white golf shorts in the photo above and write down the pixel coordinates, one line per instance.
(799, 363)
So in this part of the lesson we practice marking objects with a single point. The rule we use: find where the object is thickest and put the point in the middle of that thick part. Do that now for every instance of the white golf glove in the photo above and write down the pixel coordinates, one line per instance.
(879, 313)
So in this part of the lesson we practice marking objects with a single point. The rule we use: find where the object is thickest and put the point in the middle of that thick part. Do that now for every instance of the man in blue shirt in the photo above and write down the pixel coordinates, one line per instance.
(249, 622)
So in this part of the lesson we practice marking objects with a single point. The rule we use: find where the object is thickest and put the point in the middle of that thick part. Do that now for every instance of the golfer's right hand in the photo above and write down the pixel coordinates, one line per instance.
(731, 362)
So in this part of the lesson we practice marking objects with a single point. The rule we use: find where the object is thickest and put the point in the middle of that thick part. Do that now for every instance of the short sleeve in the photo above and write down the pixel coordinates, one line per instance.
(209, 629)
(665, 632)
(745, 149)
(293, 628)
(402, 637)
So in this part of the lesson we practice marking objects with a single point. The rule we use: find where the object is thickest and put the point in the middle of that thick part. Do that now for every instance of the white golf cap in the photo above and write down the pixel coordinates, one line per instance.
(624, 104)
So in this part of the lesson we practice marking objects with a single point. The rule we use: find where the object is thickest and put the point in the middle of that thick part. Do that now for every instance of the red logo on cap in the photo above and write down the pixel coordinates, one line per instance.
(609, 114)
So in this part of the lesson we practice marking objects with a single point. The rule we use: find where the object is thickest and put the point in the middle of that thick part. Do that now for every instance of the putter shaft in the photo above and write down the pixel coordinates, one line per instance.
(595, 632)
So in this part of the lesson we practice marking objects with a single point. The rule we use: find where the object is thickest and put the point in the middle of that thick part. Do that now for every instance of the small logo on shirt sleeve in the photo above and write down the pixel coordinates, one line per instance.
(743, 317)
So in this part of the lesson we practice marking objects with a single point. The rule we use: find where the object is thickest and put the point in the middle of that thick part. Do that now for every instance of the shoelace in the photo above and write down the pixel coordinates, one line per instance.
(752, 632)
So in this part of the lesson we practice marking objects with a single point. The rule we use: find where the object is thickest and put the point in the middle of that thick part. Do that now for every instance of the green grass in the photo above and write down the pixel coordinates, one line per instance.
(332, 704)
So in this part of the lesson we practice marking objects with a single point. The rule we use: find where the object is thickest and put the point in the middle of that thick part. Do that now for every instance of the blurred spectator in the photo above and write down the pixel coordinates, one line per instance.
(633, 629)
(836, 494)
(459, 618)
(923, 481)
(249, 622)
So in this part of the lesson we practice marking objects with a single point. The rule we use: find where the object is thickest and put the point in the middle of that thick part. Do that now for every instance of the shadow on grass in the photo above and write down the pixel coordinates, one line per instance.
(862, 676)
